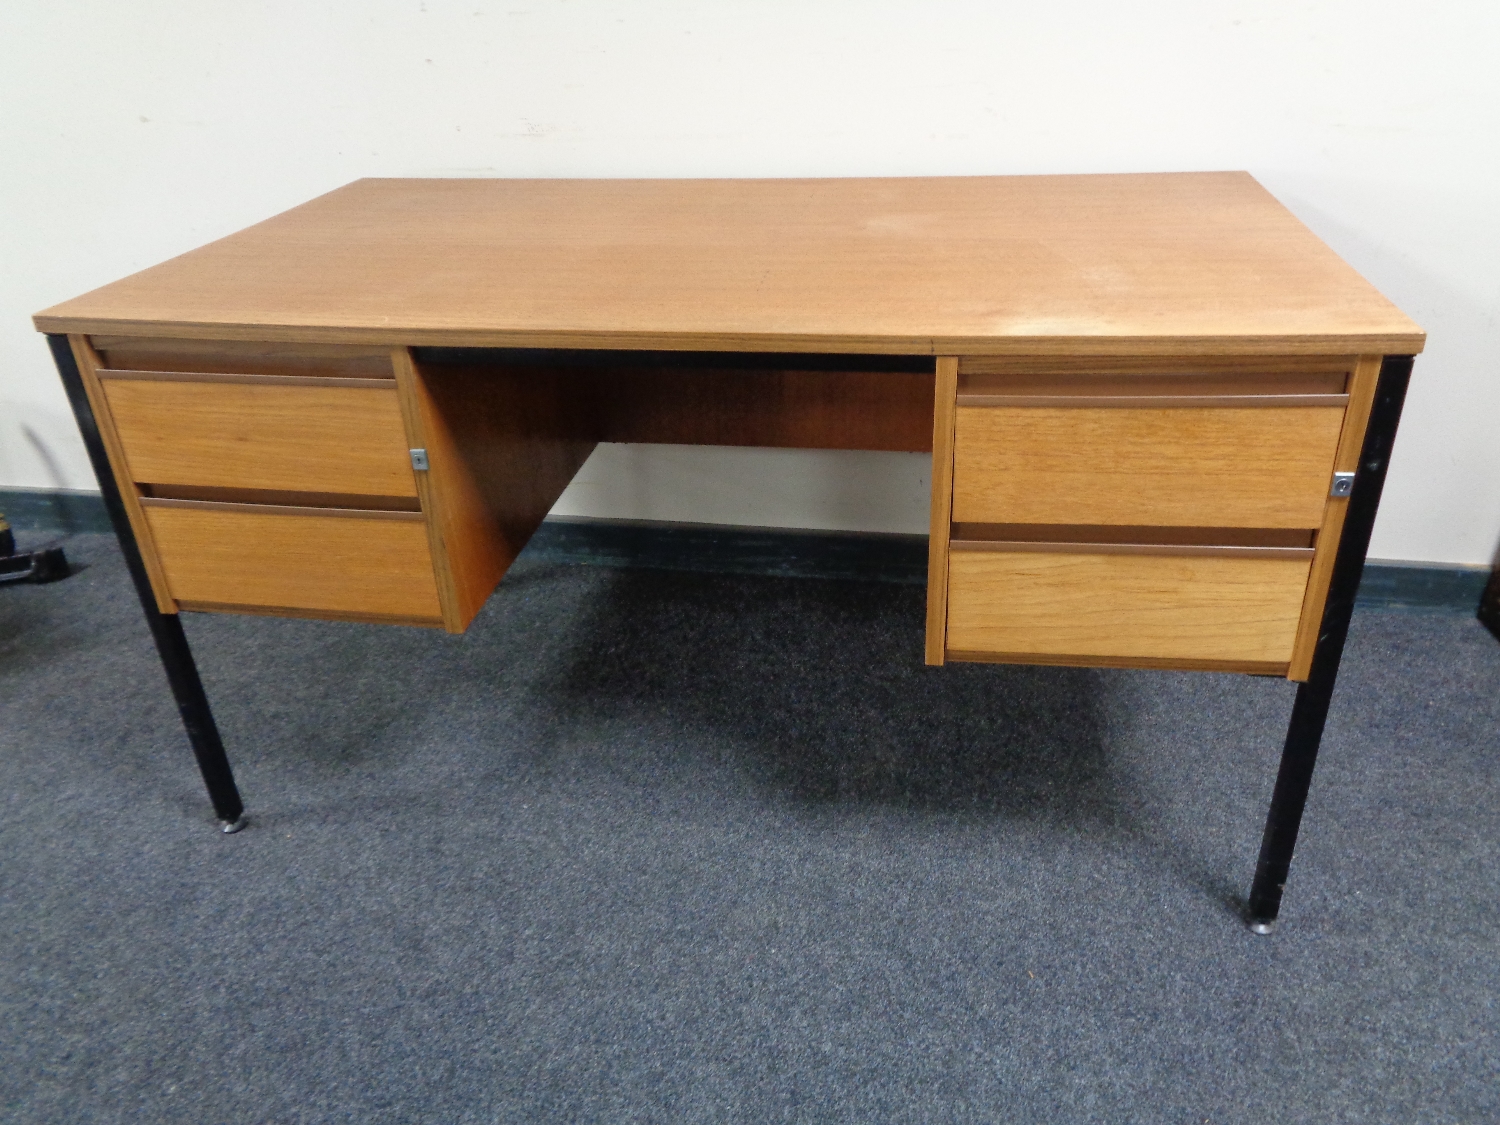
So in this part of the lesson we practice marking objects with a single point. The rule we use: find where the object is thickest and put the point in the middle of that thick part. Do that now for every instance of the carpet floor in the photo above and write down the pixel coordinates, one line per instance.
(651, 846)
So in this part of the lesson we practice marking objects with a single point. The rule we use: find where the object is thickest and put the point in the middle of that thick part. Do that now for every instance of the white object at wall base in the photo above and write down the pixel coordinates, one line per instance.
(833, 490)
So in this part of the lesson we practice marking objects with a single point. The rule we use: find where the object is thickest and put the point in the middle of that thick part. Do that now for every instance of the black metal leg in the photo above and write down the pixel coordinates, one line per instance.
(1310, 711)
(1489, 604)
(166, 628)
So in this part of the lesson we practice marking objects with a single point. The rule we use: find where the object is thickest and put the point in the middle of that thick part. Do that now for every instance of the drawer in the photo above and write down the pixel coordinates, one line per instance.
(320, 562)
(1164, 607)
(263, 432)
(1069, 454)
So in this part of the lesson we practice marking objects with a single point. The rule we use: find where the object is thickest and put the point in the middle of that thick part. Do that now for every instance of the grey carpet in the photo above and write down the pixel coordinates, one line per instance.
(650, 846)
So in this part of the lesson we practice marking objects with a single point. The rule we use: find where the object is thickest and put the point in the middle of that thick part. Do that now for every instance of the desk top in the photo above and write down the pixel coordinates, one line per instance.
(1182, 263)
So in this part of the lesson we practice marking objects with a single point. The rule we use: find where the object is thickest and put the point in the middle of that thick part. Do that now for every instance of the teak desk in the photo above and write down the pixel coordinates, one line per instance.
(1160, 410)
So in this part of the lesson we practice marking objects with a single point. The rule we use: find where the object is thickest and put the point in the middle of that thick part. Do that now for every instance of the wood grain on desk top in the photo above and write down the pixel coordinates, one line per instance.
(1186, 263)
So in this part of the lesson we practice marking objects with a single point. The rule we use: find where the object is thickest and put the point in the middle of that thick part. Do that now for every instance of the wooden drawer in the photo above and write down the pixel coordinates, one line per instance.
(1172, 449)
(1235, 609)
(262, 432)
(373, 566)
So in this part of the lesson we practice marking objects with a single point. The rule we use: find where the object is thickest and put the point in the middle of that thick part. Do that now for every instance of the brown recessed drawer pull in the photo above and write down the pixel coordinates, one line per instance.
(1233, 378)
(108, 374)
(1128, 533)
(261, 508)
(365, 502)
(1179, 550)
(1154, 402)
(1155, 390)
(1318, 372)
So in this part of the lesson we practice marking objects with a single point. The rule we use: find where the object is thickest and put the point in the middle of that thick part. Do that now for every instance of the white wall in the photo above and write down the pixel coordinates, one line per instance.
(134, 131)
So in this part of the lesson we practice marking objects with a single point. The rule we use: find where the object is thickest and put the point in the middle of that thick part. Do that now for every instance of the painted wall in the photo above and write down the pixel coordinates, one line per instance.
(137, 131)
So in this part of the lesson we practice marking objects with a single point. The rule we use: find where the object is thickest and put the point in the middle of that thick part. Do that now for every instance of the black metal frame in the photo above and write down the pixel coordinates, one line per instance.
(166, 628)
(1310, 711)
(1304, 733)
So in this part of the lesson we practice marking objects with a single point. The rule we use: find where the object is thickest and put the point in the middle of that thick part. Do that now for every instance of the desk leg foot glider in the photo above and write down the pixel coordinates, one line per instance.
(1310, 711)
(166, 628)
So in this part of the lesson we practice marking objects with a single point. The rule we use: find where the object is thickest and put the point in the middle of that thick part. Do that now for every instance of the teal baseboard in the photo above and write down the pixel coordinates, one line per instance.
(779, 552)
(776, 552)
(55, 512)
(1422, 586)
(899, 558)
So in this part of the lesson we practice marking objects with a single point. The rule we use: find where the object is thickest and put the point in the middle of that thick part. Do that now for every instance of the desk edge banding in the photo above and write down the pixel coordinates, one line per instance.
(1299, 344)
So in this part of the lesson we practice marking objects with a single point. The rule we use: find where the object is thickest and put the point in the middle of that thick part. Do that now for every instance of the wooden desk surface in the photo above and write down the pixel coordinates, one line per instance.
(1189, 263)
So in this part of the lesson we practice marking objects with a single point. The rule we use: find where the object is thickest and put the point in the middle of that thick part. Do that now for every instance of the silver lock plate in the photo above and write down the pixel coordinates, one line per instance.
(1343, 484)
(419, 460)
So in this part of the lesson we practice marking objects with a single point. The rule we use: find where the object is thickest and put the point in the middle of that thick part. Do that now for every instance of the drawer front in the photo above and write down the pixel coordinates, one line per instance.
(368, 565)
(263, 433)
(1202, 466)
(1193, 610)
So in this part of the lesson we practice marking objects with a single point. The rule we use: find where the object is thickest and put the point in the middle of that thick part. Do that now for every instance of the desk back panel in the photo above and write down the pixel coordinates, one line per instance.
(785, 409)
(506, 430)
(771, 400)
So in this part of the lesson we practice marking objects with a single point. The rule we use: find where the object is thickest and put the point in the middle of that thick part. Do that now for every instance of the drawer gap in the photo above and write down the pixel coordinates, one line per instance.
(280, 509)
(1242, 389)
(280, 497)
(1155, 383)
(1236, 367)
(999, 546)
(378, 382)
(1097, 534)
